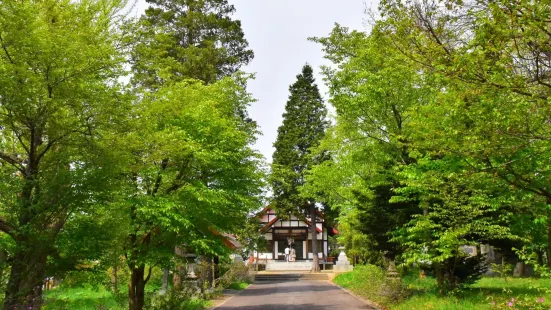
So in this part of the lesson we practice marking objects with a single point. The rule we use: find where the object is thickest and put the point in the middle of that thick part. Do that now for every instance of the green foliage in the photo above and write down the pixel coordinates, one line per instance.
(491, 110)
(304, 124)
(239, 286)
(303, 128)
(370, 281)
(373, 92)
(81, 298)
(503, 269)
(236, 274)
(182, 298)
(182, 39)
(60, 101)
(424, 293)
(193, 174)
(441, 133)
(198, 173)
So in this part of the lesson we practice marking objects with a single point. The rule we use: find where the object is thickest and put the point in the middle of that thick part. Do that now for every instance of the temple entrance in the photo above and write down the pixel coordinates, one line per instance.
(282, 236)
(298, 245)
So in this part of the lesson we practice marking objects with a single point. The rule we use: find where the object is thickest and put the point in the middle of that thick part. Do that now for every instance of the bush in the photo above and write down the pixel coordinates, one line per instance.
(182, 298)
(459, 272)
(236, 273)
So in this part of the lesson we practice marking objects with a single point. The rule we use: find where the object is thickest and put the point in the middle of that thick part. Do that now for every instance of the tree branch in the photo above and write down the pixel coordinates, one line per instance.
(4, 47)
(148, 274)
(13, 161)
(7, 228)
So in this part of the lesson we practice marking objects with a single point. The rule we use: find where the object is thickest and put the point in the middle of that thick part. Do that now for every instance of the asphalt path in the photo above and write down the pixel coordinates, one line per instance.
(307, 295)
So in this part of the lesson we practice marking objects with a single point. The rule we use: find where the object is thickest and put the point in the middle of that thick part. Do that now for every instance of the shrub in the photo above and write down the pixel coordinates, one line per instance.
(176, 299)
(460, 271)
(236, 273)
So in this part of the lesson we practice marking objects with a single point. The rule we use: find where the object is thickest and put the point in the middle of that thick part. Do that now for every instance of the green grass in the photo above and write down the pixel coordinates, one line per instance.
(89, 298)
(81, 298)
(423, 293)
(238, 286)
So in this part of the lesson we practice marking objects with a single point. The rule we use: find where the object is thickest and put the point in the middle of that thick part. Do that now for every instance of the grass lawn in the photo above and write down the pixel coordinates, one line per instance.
(423, 293)
(88, 298)
(81, 298)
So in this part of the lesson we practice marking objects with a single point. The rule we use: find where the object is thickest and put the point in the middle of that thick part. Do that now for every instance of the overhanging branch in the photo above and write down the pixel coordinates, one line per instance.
(7, 228)
(12, 161)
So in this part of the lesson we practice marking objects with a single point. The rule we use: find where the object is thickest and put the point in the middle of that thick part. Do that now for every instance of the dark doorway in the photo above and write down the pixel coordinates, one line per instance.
(298, 245)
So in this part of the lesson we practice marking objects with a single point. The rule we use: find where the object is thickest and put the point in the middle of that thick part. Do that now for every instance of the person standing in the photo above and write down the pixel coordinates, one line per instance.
(287, 251)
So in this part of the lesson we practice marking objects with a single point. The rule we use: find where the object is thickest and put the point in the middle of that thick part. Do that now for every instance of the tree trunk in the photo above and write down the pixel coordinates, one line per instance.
(315, 261)
(209, 271)
(215, 267)
(136, 288)
(439, 276)
(28, 270)
(3, 264)
(549, 243)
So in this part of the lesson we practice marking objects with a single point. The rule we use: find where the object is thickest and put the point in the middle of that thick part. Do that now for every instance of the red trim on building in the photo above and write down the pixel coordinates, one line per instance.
(268, 225)
(309, 224)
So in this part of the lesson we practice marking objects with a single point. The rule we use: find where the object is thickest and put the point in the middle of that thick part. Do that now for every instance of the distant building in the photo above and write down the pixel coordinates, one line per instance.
(279, 232)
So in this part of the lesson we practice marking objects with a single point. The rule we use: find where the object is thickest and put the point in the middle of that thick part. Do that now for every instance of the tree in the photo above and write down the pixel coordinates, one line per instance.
(176, 41)
(188, 39)
(59, 98)
(373, 91)
(493, 61)
(416, 203)
(304, 123)
(192, 174)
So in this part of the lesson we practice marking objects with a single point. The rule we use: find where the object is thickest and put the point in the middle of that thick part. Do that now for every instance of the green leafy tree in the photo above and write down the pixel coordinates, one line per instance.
(304, 123)
(384, 177)
(192, 174)
(492, 58)
(188, 39)
(59, 101)
(373, 91)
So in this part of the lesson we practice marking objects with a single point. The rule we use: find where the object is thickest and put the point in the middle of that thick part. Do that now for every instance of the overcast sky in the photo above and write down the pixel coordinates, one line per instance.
(277, 31)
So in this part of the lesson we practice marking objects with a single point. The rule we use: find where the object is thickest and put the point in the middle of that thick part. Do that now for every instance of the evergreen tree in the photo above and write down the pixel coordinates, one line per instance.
(304, 124)
(180, 39)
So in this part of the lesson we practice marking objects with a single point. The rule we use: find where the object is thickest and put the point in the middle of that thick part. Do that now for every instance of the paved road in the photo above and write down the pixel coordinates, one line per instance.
(304, 295)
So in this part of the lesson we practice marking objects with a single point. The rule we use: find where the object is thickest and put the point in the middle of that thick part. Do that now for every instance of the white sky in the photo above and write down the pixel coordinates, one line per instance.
(277, 31)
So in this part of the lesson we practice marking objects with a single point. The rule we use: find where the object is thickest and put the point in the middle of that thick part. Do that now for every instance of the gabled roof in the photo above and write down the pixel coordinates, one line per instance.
(229, 240)
(269, 224)
(264, 211)
(310, 224)
(276, 218)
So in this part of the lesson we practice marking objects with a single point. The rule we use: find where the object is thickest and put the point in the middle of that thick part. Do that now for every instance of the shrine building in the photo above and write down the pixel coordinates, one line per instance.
(295, 231)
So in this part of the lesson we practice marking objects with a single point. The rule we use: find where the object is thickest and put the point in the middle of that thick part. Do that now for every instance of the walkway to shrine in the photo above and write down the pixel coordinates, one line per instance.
(304, 295)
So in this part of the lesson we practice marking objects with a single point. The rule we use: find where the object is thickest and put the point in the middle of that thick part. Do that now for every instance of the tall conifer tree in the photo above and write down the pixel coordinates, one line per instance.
(182, 39)
(304, 124)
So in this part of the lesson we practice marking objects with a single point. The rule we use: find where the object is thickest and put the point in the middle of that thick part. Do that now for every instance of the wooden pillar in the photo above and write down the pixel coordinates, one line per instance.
(273, 245)
(307, 255)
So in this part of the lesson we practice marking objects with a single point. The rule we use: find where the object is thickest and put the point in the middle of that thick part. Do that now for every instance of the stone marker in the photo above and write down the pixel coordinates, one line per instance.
(342, 265)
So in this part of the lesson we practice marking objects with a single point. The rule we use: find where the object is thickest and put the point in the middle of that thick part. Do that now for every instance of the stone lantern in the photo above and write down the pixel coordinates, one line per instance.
(342, 265)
